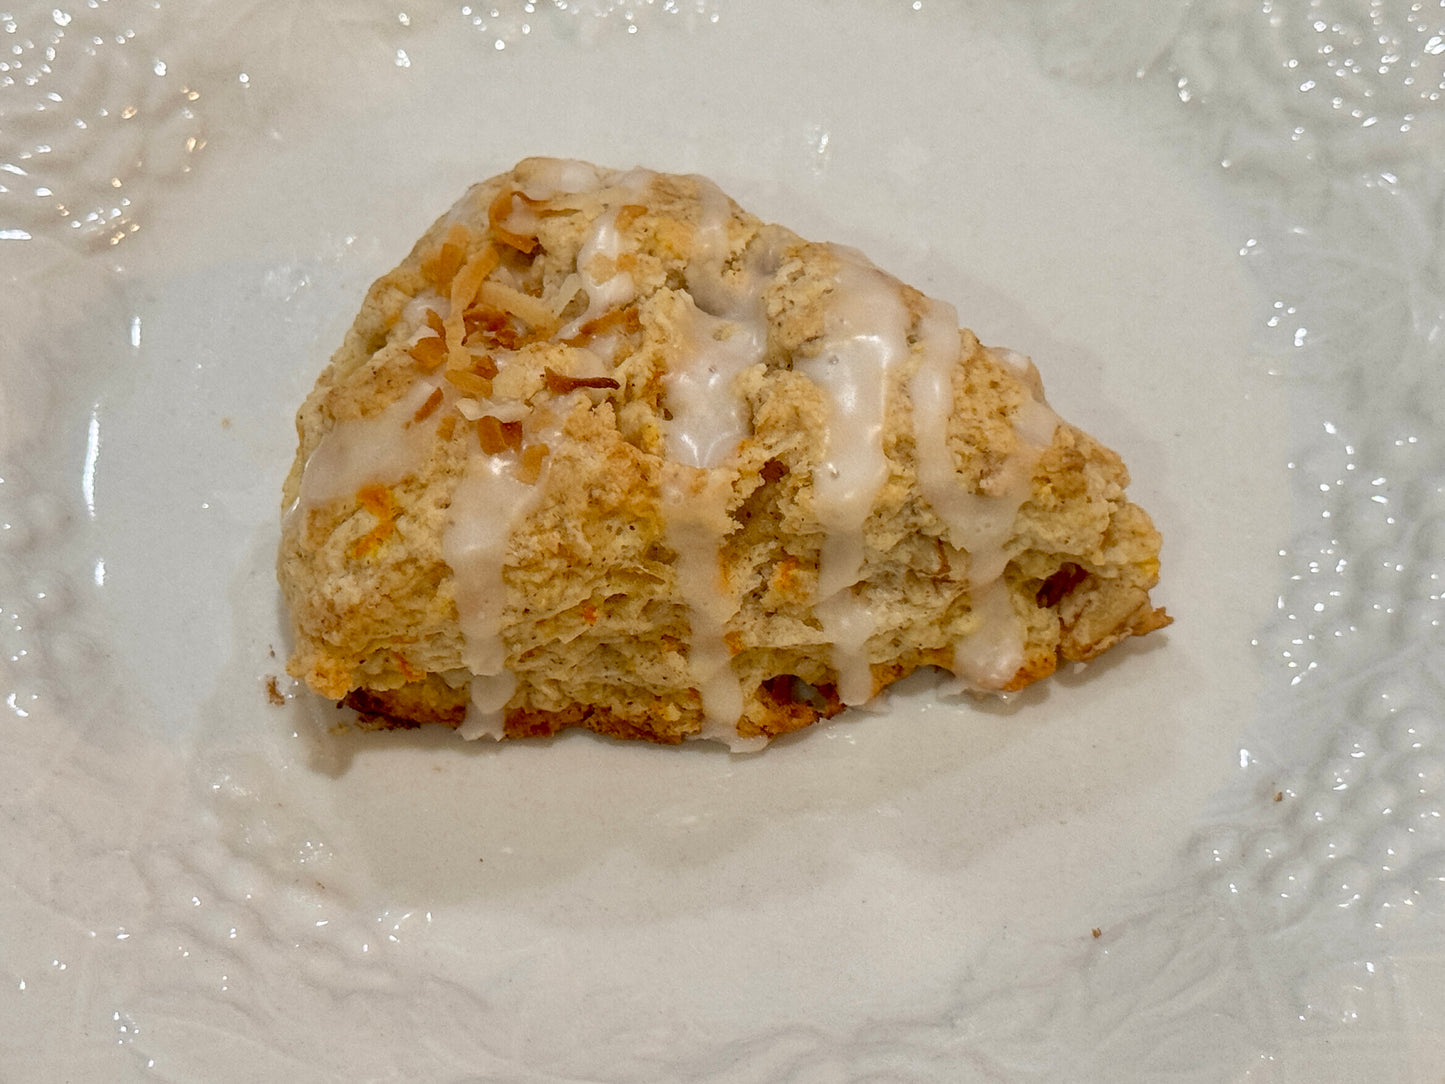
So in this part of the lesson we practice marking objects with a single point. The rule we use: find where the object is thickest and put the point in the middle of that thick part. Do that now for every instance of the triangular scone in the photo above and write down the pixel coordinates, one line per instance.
(608, 451)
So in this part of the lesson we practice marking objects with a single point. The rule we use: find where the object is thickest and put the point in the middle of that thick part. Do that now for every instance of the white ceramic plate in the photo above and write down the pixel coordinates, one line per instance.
(1219, 228)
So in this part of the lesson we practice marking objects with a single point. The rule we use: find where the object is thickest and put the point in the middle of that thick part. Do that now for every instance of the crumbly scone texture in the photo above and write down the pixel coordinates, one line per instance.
(499, 310)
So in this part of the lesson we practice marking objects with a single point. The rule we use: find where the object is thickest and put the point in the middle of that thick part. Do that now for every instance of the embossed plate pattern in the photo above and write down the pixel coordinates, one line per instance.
(1219, 228)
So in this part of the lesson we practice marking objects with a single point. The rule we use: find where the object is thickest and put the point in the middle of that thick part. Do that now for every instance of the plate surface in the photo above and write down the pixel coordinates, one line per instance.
(1218, 228)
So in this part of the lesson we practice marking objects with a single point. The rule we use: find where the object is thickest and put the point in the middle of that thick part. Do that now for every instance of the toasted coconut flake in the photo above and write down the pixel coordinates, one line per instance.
(525, 307)
(492, 325)
(425, 411)
(428, 353)
(498, 212)
(469, 280)
(542, 205)
(464, 291)
(436, 323)
(468, 361)
(508, 410)
(626, 320)
(489, 435)
(497, 436)
(469, 382)
(560, 384)
(530, 467)
(442, 265)
(571, 286)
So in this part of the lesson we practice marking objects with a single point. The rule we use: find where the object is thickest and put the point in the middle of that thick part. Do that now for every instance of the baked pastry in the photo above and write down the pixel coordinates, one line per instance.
(607, 451)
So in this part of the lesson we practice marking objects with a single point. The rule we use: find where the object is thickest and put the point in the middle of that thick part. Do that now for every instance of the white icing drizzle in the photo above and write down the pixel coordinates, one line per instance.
(979, 523)
(486, 507)
(740, 296)
(709, 250)
(610, 288)
(709, 419)
(413, 315)
(1036, 422)
(1021, 364)
(974, 522)
(722, 332)
(605, 242)
(548, 178)
(695, 511)
(992, 654)
(490, 501)
(864, 336)
(382, 448)
(485, 716)
(607, 287)
(847, 623)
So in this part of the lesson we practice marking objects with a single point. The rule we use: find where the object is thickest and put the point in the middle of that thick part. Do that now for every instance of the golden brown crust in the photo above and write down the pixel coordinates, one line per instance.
(430, 700)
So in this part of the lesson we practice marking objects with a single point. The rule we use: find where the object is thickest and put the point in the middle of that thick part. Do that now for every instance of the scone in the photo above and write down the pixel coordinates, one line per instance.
(608, 451)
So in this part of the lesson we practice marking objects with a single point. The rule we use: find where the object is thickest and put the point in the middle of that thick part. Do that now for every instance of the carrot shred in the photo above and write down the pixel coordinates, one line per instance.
(376, 499)
(379, 501)
(408, 671)
(785, 576)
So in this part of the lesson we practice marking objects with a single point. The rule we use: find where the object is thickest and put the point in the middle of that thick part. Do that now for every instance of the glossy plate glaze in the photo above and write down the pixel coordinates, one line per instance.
(1219, 229)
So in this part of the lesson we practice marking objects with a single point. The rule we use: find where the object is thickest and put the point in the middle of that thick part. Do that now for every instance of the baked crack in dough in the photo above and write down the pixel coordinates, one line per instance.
(607, 451)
